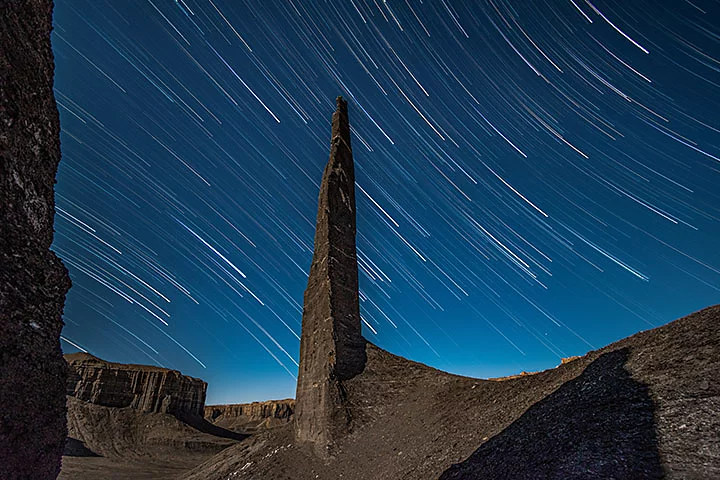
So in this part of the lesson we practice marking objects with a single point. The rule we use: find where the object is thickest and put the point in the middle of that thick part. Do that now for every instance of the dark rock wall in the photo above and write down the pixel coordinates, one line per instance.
(143, 388)
(33, 281)
(332, 348)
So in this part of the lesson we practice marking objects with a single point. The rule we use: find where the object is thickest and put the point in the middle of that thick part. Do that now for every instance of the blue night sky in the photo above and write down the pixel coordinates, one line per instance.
(534, 179)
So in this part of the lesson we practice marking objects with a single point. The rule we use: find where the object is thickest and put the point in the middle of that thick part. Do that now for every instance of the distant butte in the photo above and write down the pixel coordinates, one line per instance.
(141, 387)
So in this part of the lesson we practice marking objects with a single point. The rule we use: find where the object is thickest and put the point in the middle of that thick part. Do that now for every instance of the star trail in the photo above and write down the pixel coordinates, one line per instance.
(534, 179)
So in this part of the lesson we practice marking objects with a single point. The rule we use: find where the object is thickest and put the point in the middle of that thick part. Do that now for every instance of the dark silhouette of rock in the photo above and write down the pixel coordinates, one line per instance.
(141, 387)
(332, 348)
(644, 407)
(76, 448)
(599, 425)
(250, 417)
(33, 281)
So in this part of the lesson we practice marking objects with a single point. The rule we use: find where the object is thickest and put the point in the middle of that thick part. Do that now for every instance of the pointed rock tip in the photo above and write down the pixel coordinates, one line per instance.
(341, 103)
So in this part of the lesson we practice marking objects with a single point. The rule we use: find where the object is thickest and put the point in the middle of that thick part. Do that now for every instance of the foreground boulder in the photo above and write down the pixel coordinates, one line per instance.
(33, 281)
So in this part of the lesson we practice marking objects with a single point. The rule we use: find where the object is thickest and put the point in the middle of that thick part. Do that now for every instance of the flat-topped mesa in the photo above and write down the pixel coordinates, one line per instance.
(250, 417)
(142, 387)
(332, 348)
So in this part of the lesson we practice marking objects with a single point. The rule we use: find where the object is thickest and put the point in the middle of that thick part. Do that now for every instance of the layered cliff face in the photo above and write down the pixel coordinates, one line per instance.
(250, 417)
(33, 281)
(135, 421)
(144, 388)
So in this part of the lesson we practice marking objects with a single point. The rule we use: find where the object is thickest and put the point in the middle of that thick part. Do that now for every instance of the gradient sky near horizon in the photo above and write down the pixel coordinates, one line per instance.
(534, 179)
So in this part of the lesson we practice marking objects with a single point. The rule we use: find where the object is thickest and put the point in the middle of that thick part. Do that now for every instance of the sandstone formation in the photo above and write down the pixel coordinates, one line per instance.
(33, 281)
(128, 433)
(644, 407)
(140, 387)
(250, 417)
(332, 348)
(135, 421)
(118, 443)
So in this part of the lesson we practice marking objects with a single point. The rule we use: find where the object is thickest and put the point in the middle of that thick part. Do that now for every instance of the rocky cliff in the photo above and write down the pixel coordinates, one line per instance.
(33, 281)
(121, 443)
(141, 387)
(249, 417)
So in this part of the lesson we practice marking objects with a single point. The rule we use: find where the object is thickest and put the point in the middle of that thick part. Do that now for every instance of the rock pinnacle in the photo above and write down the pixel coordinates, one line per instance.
(332, 348)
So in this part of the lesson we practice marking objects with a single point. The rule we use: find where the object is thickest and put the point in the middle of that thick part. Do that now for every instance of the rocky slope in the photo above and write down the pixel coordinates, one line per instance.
(110, 442)
(129, 433)
(33, 281)
(143, 388)
(644, 407)
(251, 417)
(135, 421)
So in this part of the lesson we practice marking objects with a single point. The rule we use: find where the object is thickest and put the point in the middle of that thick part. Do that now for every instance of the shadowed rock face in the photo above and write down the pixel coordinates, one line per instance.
(143, 388)
(332, 348)
(598, 425)
(33, 281)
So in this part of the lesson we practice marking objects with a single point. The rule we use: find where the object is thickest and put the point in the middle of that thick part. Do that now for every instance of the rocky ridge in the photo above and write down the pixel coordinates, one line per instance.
(141, 387)
(643, 407)
(251, 417)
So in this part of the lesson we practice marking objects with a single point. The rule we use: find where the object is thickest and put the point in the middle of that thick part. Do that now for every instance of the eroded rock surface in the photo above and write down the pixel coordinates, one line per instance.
(643, 407)
(135, 421)
(332, 348)
(121, 443)
(250, 417)
(33, 281)
(141, 387)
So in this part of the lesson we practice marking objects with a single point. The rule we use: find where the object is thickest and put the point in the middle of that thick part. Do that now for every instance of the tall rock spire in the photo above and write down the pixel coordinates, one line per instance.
(332, 348)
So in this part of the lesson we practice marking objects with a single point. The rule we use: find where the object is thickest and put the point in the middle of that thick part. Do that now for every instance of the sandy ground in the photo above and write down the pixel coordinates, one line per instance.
(102, 468)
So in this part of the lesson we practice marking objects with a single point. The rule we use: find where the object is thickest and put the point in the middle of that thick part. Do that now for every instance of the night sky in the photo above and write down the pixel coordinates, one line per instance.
(535, 179)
